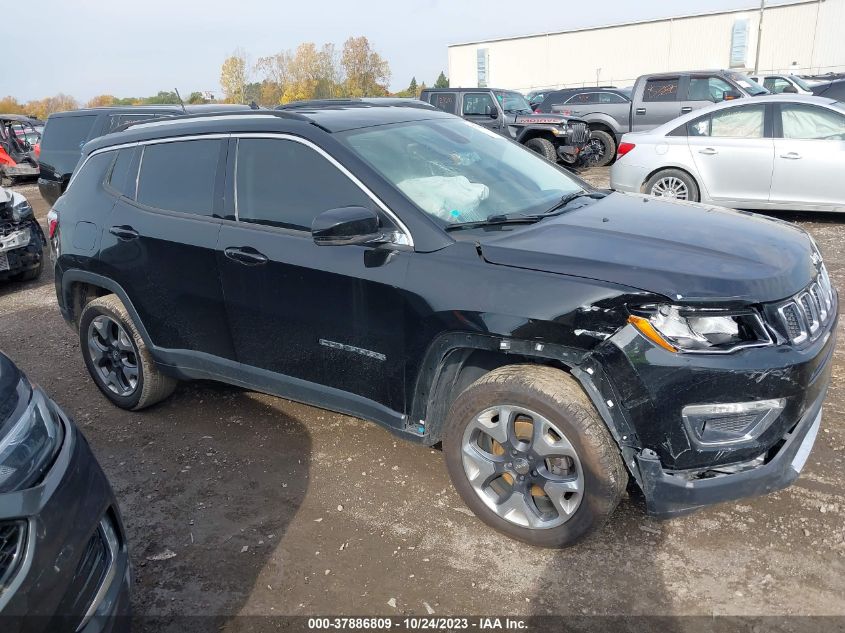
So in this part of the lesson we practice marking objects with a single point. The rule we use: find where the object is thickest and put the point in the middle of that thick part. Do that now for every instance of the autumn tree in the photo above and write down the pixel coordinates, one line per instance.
(234, 76)
(100, 101)
(442, 81)
(10, 105)
(367, 73)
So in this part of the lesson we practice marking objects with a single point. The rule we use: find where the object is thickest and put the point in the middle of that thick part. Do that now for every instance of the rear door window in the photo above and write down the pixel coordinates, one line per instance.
(181, 176)
(742, 122)
(445, 101)
(661, 89)
(584, 97)
(287, 184)
(67, 132)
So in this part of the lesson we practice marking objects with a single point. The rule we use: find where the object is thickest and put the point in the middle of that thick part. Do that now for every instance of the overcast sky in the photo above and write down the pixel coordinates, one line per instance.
(90, 47)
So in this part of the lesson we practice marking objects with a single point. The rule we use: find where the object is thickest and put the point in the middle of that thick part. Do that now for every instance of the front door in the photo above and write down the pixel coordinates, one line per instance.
(809, 158)
(733, 154)
(481, 108)
(326, 315)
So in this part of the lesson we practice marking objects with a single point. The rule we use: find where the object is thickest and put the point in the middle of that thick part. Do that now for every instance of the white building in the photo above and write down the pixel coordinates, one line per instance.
(799, 36)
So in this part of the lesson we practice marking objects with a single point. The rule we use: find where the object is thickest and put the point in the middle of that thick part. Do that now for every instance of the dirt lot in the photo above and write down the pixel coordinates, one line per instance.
(241, 503)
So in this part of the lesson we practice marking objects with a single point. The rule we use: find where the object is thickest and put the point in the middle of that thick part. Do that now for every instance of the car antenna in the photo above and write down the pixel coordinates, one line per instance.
(182, 103)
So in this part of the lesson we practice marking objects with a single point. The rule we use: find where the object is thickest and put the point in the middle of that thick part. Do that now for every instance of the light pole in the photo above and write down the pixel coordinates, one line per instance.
(759, 37)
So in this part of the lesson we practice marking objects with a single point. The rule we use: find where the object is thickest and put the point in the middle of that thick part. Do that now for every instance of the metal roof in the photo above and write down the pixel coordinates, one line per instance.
(755, 7)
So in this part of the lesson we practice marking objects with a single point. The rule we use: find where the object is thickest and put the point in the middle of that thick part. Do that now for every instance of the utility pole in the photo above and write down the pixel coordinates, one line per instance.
(759, 37)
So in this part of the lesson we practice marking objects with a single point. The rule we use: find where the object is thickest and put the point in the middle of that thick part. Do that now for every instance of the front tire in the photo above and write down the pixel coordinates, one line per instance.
(530, 456)
(117, 357)
(674, 184)
(608, 147)
(543, 147)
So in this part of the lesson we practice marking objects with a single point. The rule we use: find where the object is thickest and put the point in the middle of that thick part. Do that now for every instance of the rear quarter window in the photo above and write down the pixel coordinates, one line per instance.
(445, 101)
(91, 176)
(67, 132)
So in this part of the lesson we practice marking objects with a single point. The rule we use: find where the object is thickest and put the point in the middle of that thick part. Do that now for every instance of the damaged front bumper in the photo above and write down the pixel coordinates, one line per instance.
(642, 392)
(670, 494)
(21, 248)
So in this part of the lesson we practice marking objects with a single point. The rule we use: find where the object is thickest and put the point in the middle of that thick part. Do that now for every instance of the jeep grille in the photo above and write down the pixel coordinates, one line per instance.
(805, 315)
(579, 133)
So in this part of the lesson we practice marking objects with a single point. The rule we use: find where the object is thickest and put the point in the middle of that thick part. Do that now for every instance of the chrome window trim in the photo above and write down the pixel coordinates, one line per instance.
(405, 238)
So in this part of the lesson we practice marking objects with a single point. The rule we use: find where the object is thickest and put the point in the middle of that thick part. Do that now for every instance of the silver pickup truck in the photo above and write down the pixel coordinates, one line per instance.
(654, 100)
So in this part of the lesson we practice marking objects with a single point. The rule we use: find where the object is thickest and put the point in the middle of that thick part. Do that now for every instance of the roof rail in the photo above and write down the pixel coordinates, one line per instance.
(184, 118)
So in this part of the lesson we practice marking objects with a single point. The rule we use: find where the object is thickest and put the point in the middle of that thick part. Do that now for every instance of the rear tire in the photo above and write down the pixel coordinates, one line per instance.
(543, 147)
(549, 490)
(609, 147)
(117, 357)
(674, 184)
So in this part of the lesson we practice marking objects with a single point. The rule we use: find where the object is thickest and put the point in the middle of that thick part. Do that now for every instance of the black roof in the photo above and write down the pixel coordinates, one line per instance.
(331, 118)
(470, 90)
(356, 101)
(20, 117)
(164, 107)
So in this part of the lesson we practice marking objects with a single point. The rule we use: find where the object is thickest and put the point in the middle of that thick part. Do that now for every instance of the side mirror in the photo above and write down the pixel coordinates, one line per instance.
(790, 89)
(347, 225)
(730, 95)
(492, 112)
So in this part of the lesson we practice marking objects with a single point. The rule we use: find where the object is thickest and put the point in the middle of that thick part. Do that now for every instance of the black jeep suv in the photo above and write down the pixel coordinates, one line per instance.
(402, 265)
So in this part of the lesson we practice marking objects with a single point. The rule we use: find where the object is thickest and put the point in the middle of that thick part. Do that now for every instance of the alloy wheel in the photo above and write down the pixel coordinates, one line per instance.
(670, 187)
(113, 355)
(523, 467)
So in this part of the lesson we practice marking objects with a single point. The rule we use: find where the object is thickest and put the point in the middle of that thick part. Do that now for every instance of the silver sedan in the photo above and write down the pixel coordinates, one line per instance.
(779, 152)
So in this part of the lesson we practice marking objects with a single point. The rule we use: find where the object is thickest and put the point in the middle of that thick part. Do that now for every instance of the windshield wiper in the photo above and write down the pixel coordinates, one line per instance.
(495, 220)
(560, 206)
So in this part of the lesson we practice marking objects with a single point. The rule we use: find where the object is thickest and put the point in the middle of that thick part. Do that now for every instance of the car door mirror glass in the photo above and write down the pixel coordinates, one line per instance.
(348, 225)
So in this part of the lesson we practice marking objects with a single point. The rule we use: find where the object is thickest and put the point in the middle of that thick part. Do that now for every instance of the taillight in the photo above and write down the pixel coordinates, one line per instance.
(52, 227)
(623, 149)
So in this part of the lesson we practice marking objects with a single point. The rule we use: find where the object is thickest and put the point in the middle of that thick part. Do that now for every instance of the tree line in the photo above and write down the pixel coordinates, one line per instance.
(307, 72)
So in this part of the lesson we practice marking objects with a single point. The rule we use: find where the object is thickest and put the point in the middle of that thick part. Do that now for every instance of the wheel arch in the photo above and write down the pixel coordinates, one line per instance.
(666, 168)
(79, 287)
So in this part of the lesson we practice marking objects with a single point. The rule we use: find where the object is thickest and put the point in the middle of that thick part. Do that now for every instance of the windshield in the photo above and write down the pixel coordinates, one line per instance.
(458, 172)
(513, 102)
(748, 84)
(801, 83)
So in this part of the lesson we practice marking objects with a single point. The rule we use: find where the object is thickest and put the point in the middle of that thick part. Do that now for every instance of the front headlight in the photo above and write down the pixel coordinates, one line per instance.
(21, 211)
(29, 445)
(679, 329)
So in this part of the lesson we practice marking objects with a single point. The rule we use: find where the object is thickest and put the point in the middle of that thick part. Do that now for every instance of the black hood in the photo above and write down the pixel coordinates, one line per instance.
(684, 251)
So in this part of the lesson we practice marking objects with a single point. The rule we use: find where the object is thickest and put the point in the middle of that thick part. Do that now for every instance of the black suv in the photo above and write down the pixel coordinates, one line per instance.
(506, 112)
(402, 265)
(66, 132)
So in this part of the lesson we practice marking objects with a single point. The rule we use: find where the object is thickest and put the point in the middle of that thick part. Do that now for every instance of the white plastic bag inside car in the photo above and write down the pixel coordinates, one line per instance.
(450, 198)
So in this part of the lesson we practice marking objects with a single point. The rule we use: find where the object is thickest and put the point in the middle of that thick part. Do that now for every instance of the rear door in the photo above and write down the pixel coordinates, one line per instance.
(161, 240)
(733, 152)
(809, 159)
(658, 103)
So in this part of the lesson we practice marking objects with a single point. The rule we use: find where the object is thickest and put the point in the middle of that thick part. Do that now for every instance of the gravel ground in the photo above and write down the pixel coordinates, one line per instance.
(241, 503)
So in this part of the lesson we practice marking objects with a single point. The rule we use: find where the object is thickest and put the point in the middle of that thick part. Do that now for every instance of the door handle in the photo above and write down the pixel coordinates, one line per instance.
(709, 151)
(245, 255)
(124, 232)
(686, 109)
(640, 111)
(791, 155)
